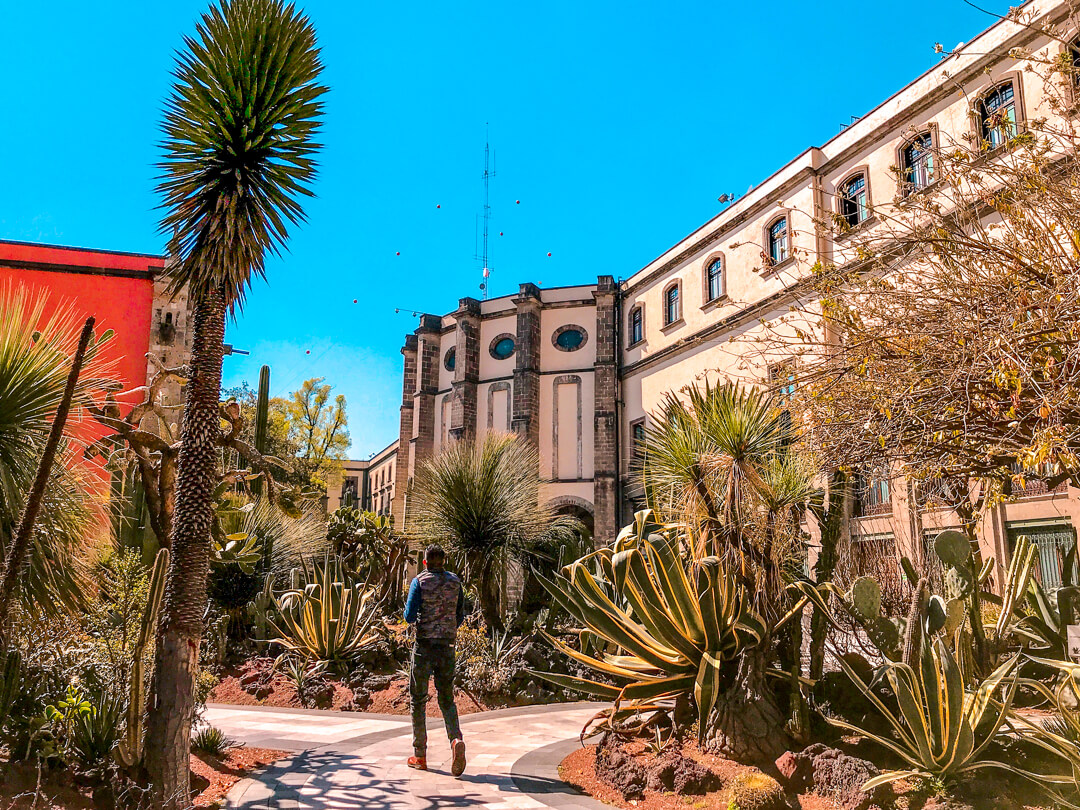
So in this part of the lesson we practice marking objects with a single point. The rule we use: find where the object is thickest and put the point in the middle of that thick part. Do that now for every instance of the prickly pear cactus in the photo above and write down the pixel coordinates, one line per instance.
(863, 601)
(953, 549)
(865, 598)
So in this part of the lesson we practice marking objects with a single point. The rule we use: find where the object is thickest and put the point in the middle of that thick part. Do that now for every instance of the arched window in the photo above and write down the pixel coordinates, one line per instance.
(997, 116)
(854, 200)
(917, 162)
(671, 304)
(637, 324)
(714, 279)
(779, 250)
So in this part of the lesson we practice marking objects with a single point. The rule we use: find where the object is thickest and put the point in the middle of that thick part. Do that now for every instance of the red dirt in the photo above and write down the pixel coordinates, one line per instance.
(395, 700)
(60, 789)
(392, 700)
(224, 773)
(578, 770)
(282, 692)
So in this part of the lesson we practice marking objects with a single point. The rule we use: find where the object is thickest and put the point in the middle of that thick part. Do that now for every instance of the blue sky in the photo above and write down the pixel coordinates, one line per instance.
(616, 125)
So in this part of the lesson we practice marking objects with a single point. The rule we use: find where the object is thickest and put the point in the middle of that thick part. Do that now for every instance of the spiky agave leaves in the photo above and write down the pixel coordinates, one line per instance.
(328, 617)
(239, 143)
(676, 625)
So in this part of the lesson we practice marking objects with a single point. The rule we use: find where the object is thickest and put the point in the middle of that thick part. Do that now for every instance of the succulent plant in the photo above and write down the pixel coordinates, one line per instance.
(129, 752)
(239, 549)
(326, 616)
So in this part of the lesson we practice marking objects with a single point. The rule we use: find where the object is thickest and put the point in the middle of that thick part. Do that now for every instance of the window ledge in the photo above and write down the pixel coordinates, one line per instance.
(671, 327)
(926, 190)
(635, 344)
(869, 222)
(772, 269)
(716, 302)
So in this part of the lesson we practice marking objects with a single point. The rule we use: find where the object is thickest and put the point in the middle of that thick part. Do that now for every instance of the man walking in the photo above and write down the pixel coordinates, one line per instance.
(436, 606)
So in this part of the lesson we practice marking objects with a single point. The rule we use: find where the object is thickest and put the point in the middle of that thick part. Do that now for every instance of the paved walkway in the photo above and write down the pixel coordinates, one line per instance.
(356, 760)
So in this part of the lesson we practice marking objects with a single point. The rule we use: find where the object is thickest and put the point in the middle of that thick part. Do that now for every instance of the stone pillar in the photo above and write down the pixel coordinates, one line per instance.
(420, 435)
(427, 359)
(403, 468)
(526, 417)
(466, 371)
(605, 416)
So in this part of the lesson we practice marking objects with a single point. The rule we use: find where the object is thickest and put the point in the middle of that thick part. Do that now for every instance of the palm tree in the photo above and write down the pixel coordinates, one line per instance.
(720, 459)
(36, 353)
(238, 157)
(482, 500)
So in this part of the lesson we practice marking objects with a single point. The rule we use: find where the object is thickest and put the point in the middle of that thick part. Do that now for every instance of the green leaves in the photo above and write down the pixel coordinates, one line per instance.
(238, 143)
(677, 623)
(939, 729)
(327, 618)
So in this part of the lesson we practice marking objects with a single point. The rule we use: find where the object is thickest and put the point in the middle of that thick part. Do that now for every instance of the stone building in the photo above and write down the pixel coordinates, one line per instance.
(366, 484)
(690, 314)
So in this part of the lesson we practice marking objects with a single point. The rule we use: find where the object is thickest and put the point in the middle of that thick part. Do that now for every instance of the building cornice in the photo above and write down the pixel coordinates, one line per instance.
(79, 269)
(752, 312)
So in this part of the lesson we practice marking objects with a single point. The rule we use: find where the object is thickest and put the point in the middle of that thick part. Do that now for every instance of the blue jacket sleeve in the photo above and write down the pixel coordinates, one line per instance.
(412, 604)
(460, 605)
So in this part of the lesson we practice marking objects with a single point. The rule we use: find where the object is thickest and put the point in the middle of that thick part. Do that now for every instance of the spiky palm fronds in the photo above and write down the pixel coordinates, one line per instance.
(720, 459)
(239, 143)
(35, 357)
(482, 499)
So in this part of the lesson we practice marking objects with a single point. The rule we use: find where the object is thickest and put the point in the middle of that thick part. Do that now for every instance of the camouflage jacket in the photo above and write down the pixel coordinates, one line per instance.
(436, 605)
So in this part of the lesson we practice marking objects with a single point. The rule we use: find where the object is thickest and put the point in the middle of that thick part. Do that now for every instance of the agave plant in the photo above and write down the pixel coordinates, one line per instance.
(939, 729)
(326, 616)
(675, 624)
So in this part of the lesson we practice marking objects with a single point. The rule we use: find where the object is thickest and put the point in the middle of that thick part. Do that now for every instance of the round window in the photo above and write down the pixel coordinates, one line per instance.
(502, 347)
(569, 338)
(450, 358)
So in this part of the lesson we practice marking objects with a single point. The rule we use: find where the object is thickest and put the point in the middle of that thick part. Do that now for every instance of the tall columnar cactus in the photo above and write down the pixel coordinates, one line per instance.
(262, 416)
(262, 409)
(262, 603)
(129, 752)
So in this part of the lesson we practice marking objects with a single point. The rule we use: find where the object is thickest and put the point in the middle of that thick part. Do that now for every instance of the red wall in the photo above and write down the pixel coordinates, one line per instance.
(116, 288)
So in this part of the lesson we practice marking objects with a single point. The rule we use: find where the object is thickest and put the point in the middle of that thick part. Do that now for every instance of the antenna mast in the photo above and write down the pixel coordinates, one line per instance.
(488, 174)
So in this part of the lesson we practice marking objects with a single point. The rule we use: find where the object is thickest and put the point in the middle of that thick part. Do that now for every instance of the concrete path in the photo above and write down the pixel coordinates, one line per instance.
(356, 760)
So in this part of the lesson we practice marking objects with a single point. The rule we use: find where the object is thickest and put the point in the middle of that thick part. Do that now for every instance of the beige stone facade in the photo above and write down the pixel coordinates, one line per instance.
(693, 313)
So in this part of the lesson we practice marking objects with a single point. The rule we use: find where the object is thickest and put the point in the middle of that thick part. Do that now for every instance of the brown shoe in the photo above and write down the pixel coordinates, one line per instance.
(457, 765)
(419, 763)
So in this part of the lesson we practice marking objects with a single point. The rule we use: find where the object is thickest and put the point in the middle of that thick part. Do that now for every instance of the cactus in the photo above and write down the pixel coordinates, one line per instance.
(9, 681)
(262, 409)
(129, 752)
(913, 632)
(262, 415)
(865, 597)
(261, 605)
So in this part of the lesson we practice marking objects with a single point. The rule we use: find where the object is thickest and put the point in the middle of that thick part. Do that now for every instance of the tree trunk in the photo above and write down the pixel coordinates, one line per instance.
(747, 724)
(180, 628)
(20, 541)
(488, 594)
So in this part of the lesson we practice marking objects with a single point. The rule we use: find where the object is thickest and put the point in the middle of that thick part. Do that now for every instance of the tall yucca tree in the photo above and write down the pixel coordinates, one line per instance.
(720, 459)
(239, 151)
(715, 458)
(482, 500)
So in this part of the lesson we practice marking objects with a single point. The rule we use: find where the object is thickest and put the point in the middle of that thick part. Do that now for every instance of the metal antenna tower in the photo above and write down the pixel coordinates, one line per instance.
(489, 172)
